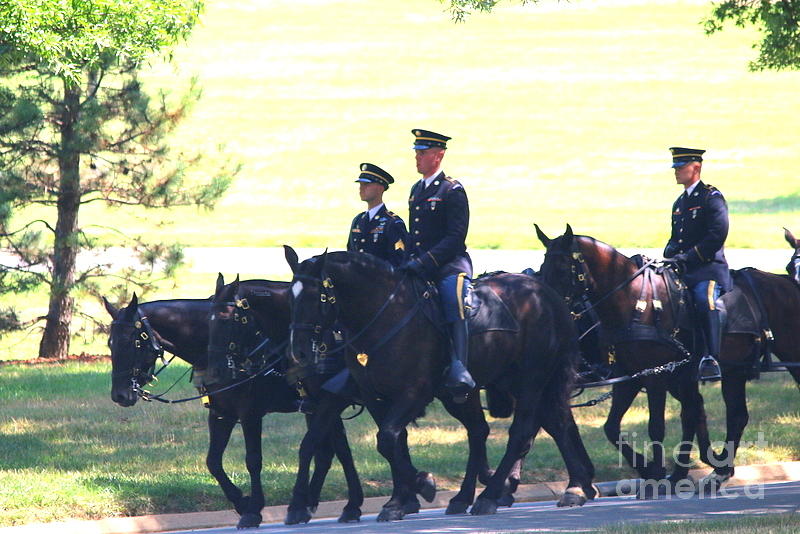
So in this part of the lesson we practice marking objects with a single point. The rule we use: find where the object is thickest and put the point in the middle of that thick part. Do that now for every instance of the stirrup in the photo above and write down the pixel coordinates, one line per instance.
(459, 383)
(709, 370)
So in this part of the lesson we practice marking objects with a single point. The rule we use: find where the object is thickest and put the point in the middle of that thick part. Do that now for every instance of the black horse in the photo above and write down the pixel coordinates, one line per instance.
(398, 356)
(793, 267)
(246, 321)
(778, 298)
(590, 274)
(139, 336)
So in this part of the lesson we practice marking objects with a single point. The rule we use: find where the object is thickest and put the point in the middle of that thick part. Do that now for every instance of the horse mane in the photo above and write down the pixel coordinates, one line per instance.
(602, 245)
(360, 261)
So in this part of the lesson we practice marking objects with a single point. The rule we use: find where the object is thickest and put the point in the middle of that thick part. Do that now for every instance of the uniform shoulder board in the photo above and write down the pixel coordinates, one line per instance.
(455, 183)
(391, 214)
(712, 190)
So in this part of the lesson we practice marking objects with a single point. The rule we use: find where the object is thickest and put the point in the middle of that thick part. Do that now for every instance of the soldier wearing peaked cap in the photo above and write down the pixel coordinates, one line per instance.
(377, 231)
(699, 230)
(438, 219)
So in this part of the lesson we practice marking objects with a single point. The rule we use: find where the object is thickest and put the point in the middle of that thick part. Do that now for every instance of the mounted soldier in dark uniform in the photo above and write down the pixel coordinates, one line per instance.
(377, 231)
(699, 230)
(439, 219)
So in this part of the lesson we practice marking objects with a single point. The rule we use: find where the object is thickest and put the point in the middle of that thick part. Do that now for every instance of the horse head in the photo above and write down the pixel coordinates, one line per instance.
(313, 306)
(793, 268)
(564, 267)
(134, 351)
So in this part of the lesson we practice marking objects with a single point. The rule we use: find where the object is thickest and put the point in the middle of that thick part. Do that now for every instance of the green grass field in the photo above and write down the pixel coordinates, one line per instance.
(787, 523)
(559, 111)
(67, 451)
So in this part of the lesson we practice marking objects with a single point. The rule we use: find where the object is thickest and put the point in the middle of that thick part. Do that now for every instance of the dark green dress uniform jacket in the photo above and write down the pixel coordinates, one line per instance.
(699, 229)
(384, 236)
(439, 219)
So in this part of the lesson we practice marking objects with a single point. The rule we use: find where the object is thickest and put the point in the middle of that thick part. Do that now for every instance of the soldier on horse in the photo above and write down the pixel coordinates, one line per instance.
(699, 230)
(439, 218)
(377, 231)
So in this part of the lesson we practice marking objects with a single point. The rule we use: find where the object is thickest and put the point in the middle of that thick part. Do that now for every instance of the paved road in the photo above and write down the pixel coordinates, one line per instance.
(544, 516)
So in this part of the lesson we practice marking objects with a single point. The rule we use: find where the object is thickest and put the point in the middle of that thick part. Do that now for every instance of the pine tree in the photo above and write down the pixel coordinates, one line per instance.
(78, 127)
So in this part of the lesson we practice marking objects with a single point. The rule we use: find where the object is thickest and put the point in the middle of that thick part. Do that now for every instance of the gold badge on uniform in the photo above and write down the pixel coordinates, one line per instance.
(399, 245)
(362, 358)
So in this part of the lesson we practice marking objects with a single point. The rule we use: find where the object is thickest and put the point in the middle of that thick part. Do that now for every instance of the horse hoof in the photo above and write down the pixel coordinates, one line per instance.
(484, 507)
(350, 515)
(426, 486)
(507, 499)
(411, 507)
(711, 483)
(295, 517)
(572, 497)
(390, 514)
(456, 508)
(249, 520)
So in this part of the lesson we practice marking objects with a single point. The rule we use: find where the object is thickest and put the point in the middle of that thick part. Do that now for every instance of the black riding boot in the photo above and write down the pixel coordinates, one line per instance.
(709, 369)
(459, 382)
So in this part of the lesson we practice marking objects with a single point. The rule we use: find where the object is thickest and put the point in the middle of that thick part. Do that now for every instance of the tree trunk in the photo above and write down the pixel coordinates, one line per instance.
(56, 337)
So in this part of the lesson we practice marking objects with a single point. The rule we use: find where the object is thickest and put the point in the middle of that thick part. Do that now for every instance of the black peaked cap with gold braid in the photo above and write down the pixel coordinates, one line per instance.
(424, 139)
(681, 156)
(373, 173)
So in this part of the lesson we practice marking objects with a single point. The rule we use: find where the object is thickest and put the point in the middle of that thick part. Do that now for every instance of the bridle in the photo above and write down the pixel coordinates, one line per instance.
(793, 267)
(146, 344)
(578, 300)
(243, 355)
(329, 314)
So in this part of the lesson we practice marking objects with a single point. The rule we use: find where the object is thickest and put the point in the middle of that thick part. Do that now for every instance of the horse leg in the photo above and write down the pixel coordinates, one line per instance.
(693, 421)
(315, 444)
(424, 485)
(355, 495)
(470, 415)
(560, 424)
(734, 392)
(251, 429)
(520, 434)
(654, 472)
(624, 394)
(219, 434)
(392, 421)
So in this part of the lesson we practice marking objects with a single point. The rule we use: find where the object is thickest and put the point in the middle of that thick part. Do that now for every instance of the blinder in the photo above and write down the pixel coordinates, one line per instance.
(234, 354)
(328, 315)
(145, 344)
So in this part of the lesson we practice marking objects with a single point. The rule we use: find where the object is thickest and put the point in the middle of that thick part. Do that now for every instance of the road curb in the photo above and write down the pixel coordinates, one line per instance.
(745, 475)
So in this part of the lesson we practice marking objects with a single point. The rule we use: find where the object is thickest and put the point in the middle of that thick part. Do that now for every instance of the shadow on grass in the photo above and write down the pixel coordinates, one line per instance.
(779, 204)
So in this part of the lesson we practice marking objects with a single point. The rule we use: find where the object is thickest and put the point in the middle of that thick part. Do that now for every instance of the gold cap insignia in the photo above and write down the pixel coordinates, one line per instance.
(362, 358)
(417, 133)
(364, 167)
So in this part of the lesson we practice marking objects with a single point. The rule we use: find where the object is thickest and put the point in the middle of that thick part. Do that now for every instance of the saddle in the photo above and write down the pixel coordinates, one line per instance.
(484, 309)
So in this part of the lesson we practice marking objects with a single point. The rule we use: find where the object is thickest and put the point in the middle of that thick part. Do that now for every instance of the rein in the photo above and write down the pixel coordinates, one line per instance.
(331, 299)
(266, 370)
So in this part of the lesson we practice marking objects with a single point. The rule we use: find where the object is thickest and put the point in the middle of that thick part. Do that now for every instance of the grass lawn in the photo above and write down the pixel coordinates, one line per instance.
(559, 111)
(67, 451)
(770, 524)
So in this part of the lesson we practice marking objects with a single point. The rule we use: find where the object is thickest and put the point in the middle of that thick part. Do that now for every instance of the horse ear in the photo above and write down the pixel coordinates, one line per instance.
(568, 234)
(220, 282)
(789, 238)
(112, 311)
(542, 237)
(291, 257)
(130, 311)
(321, 262)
